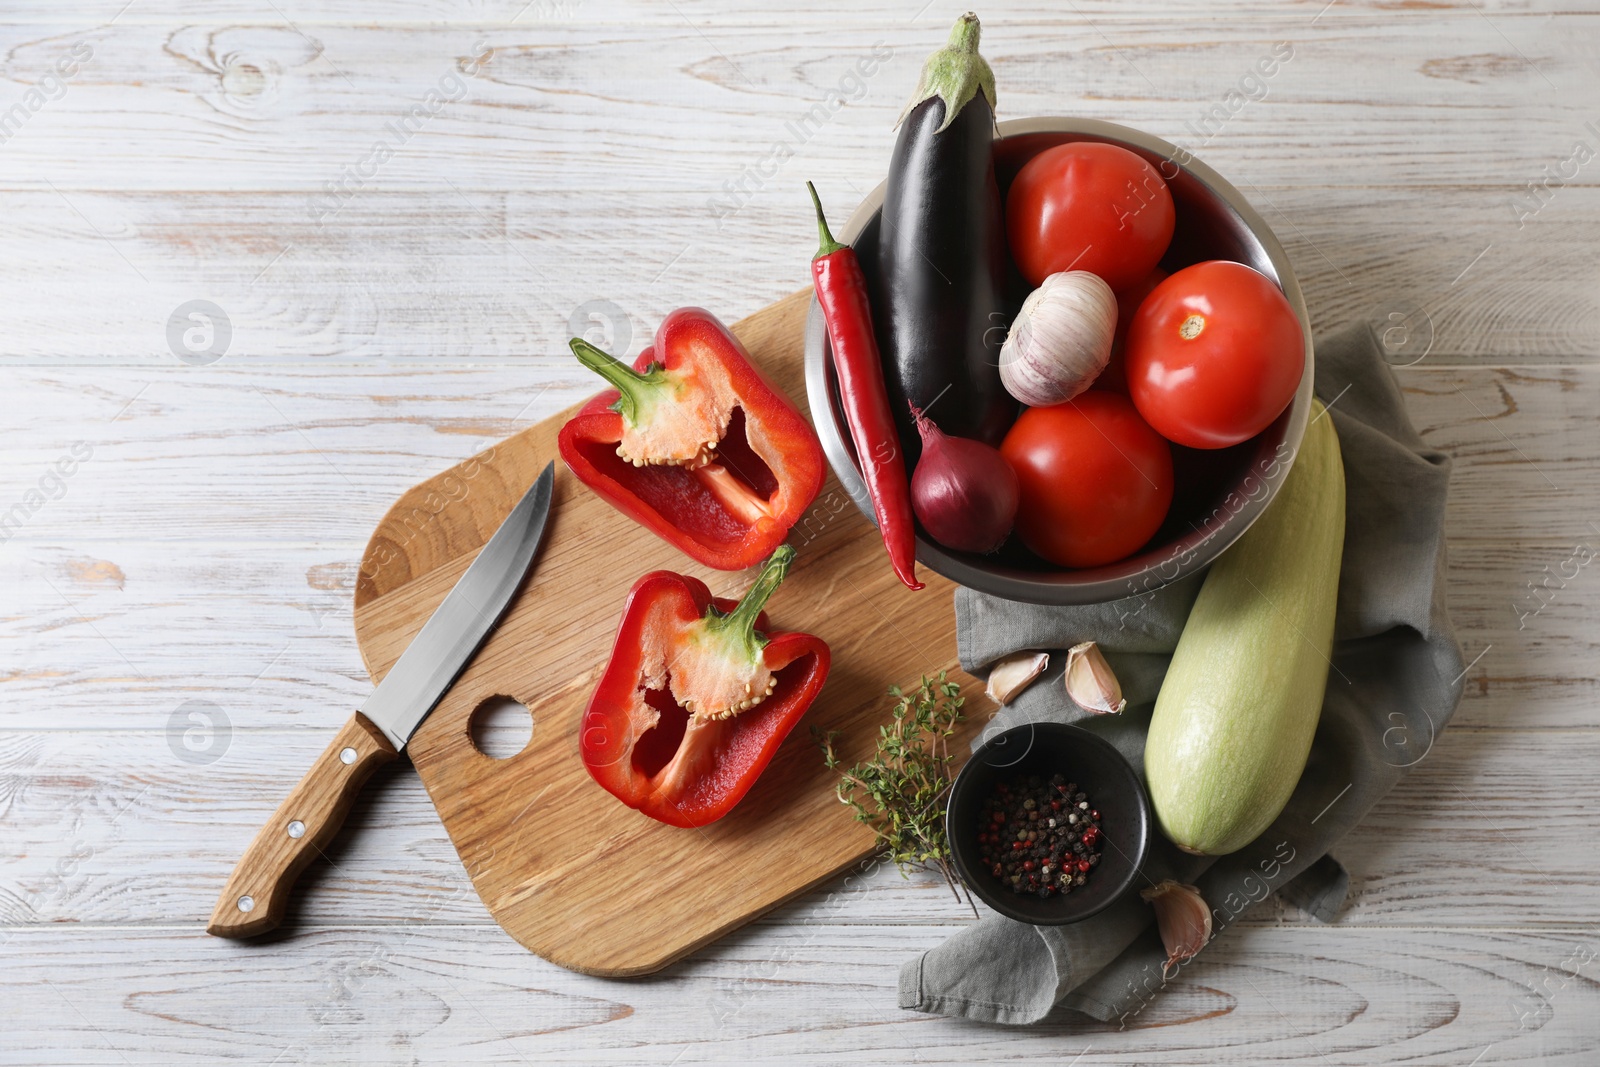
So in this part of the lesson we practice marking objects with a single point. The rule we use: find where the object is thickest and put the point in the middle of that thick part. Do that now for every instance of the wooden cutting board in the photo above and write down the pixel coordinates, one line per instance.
(565, 868)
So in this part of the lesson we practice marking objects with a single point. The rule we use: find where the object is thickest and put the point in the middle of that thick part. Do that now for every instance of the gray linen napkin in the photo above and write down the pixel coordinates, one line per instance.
(1396, 680)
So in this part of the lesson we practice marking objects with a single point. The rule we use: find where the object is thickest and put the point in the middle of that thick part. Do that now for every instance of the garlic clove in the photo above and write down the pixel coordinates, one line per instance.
(1090, 681)
(1182, 917)
(1015, 673)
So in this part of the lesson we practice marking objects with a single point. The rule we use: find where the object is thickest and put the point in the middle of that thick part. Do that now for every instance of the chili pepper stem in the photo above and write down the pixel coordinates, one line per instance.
(636, 388)
(740, 623)
(828, 245)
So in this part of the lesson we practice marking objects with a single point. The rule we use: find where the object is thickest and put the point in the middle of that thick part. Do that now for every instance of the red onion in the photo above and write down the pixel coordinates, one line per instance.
(963, 491)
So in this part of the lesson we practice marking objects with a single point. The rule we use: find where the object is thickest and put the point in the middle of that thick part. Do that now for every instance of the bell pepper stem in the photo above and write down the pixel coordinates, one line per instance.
(630, 383)
(828, 245)
(741, 621)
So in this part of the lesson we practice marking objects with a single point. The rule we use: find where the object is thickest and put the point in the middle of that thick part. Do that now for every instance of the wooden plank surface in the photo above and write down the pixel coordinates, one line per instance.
(206, 550)
(426, 276)
(135, 806)
(784, 993)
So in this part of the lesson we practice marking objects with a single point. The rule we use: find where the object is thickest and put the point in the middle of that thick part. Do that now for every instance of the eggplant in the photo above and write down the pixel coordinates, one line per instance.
(939, 289)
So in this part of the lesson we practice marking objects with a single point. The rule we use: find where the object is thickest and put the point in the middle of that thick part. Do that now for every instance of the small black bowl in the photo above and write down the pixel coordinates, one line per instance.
(1112, 785)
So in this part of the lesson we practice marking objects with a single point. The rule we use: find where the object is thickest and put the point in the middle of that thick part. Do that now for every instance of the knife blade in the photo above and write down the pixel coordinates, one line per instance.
(257, 892)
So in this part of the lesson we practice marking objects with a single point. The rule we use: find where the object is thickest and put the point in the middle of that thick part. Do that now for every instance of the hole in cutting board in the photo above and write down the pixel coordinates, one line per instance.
(500, 727)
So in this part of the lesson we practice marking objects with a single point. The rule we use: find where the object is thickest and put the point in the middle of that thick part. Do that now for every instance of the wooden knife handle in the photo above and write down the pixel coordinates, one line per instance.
(257, 892)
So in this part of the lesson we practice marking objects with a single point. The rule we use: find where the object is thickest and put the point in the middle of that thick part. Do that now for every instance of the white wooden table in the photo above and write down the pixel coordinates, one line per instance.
(192, 500)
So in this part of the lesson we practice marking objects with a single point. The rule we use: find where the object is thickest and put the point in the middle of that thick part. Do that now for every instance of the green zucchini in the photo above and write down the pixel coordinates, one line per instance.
(1234, 720)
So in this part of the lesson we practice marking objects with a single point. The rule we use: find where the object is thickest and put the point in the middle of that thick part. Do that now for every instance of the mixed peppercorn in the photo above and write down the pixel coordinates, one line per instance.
(1040, 837)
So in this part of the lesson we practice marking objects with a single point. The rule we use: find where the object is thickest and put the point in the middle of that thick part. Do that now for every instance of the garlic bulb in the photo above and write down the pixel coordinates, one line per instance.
(1061, 339)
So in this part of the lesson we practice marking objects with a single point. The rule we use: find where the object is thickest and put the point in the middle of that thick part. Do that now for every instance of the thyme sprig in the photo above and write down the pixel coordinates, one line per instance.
(900, 793)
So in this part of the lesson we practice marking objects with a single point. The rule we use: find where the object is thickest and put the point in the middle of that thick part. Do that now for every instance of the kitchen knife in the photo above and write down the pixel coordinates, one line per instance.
(257, 892)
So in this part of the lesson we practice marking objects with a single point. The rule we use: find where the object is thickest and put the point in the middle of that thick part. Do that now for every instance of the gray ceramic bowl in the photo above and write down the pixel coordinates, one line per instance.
(1218, 493)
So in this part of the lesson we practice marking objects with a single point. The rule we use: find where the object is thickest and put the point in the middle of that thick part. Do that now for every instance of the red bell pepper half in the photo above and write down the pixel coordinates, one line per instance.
(697, 696)
(696, 444)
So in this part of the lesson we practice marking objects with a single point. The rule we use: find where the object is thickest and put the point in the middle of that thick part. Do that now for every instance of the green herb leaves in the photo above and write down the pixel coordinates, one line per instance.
(900, 793)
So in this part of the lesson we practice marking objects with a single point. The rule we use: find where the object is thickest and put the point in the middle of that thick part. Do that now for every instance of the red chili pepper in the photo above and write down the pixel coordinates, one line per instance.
(842, 292)
(696, 444)
(697, 696)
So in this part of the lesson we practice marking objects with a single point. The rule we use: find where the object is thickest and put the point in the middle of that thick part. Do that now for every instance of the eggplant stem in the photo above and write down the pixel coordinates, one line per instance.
(955, 74)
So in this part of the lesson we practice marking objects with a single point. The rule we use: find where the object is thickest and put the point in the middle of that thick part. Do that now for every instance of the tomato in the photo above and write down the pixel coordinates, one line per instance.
(1095, 480)
(1115, 375)
(1088, 206)
(1214, 354)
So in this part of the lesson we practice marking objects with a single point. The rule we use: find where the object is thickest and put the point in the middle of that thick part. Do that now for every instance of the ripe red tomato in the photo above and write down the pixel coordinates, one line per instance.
(1095, 480)
(1088, 206)
(1214, 354)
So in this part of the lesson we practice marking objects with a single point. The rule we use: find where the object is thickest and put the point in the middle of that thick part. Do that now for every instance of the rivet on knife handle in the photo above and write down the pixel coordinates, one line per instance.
(257, 892)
